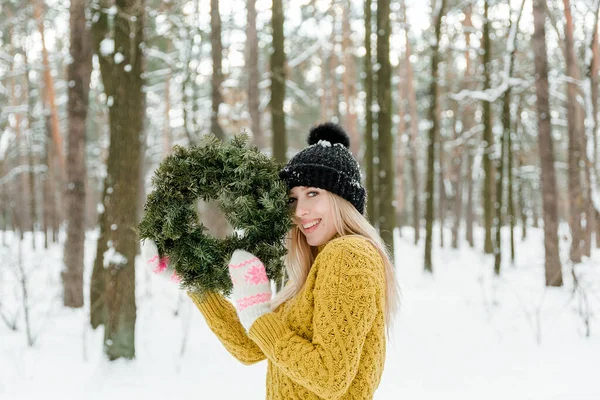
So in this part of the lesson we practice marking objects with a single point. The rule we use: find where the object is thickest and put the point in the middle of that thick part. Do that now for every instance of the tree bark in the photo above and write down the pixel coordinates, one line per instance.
(30, 154)
(49, 92)
(371, 177)
(98, 311)
(505, 140)
(468, 124)
(349, 82)
(385, 140)
(575, 135)
(400, 156)
(511, 201)
(79, 72)
(433, 136)
(488, 139)
(126, 115)
(548, 175)
(253, 75)
(217, 70)
(590, 137)
(278, 78)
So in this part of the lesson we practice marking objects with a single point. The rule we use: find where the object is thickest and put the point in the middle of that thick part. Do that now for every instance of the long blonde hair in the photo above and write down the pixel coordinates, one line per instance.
(347, 221)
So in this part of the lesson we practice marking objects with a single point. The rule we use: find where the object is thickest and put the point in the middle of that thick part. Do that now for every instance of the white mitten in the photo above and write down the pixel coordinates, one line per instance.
(251, 287)
(152, 259)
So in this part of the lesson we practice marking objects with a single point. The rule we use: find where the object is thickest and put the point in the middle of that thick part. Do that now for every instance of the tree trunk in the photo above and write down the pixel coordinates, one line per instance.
(99, 275)
(385, 140)
(253, 75)
(521, 197)
(217, 71)
(590, 138)
(468, 124)
(79, 71)
(20, 181)
(166, 131)
(122, 181)
(400, 156)
(441, 185)
(548, 178)
(49, 92)
(332, 67)
(505, 139)
(573, 120)
(98, 282)
(457, 157)
(433, 135)
(349, 82)
(488, 139)
(511, 201)
(413, 142)
(371, 177)
(49, 187)
(30, 155)
(278, 85)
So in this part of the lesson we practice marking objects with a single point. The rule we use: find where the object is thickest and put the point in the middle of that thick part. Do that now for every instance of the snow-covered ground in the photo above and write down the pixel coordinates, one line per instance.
(461, 334)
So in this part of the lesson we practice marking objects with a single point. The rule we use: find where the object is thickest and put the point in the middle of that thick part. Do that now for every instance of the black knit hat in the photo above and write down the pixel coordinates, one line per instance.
(327, 164)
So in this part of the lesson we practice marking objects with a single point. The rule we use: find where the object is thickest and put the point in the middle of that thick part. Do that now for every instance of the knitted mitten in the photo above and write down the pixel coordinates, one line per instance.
(251, 287)
(151, 259)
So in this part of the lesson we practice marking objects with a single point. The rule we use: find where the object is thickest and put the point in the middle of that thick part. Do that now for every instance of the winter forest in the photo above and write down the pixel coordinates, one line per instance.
(475, 123)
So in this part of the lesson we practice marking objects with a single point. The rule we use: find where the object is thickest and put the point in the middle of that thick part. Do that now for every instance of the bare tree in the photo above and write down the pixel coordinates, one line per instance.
(413, 146)
(488, 139)
(79, 72)
(278, 78)
(575, 197)
(122, 77)
(548, 175)
(385, 140)
(509, 59)
(253, 74)
(371, 177)
(216, 46)
(433, 133)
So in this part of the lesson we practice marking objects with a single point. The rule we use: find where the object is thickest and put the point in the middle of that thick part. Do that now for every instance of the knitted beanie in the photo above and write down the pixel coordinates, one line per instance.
(327, 164)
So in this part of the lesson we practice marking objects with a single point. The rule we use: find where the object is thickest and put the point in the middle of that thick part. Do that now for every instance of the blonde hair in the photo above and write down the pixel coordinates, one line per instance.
(347, 221)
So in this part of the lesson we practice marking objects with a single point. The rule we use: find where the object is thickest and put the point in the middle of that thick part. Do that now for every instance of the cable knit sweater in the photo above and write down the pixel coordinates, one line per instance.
(328, 341)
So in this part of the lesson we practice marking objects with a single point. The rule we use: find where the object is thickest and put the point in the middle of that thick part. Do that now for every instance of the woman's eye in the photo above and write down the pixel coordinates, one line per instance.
(312, 193)
(291, 200)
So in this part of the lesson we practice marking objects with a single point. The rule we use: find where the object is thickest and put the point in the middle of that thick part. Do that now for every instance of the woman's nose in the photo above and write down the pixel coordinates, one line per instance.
(300, 210)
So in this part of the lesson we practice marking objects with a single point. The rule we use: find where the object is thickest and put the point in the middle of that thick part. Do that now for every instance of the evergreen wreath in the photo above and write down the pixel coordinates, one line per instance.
(249, 192)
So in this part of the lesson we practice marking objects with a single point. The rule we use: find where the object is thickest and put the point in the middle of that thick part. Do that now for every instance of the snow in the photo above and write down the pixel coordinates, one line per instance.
(107, 46)
(119, 58)
(112, 256)
(461, 333)
(5, 139)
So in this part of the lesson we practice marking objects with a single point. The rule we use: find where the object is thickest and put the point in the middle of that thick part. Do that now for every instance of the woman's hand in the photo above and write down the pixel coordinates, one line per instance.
(251, 287)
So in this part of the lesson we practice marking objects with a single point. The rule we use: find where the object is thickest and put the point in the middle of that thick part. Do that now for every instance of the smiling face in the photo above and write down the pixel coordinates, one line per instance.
(313, 214)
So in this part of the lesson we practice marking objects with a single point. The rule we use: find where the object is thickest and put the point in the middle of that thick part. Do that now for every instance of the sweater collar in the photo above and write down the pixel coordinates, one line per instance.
(321, 247)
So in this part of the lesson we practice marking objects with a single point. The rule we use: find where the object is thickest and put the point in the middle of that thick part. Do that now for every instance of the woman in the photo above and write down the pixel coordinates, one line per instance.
(324, 333)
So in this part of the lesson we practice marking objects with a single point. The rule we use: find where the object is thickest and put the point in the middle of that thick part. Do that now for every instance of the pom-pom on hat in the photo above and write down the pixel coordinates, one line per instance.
(327, 164)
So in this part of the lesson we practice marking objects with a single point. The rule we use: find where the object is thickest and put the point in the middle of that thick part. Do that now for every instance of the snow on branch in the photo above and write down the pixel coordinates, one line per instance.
(21, 169)
(305, 54)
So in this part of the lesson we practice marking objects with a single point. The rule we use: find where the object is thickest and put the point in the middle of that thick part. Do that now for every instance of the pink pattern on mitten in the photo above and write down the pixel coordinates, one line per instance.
(175, 278)
(248, 301)
(162, 265)
(256, 274)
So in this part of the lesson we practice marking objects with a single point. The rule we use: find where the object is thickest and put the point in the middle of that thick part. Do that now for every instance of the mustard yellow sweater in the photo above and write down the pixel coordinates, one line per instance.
(328, 342)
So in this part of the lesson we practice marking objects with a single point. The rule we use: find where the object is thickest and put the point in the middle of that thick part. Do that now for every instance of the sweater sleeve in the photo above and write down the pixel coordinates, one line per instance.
(222, 319)
(344, 312)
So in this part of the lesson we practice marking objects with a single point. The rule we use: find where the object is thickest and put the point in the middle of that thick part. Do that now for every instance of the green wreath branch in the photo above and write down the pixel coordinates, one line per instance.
(249, 192)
